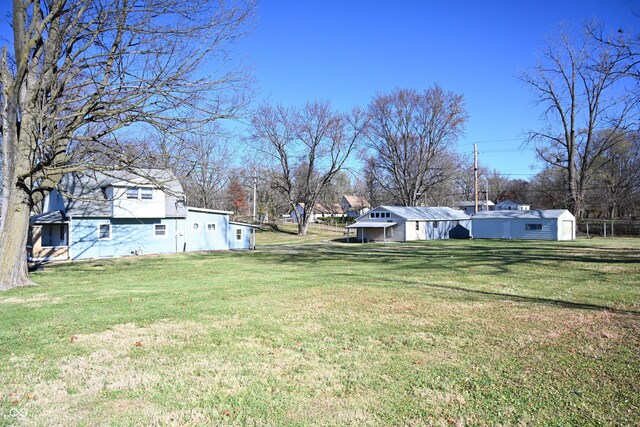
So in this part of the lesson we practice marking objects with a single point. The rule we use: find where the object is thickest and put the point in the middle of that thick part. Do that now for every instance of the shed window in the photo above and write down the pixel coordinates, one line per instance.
(239, 234)
(533, 227)
(417, 226)
(211, 227)
(160, 230)
(104, 231)
(371, 215)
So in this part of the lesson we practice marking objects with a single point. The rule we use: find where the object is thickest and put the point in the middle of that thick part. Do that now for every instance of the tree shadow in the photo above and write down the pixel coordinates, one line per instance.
(488, 260)
(531, 299)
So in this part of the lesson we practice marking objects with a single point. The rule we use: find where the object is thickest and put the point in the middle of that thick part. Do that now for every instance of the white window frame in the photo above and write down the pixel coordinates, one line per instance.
(211, 229)
(100, 234)
(238, 233)
(533, 227)
(144, 192)
(129, 193)
(155, 231)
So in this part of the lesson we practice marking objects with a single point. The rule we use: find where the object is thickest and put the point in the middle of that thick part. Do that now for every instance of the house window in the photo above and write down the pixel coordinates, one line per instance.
(104, 231)
(160, 230)
(132, 193)
(533, 227)
(146, 193)
(371, 215)
(417, 226)
(239, 234)
(195, 226)
(387, 215)
(211, 227)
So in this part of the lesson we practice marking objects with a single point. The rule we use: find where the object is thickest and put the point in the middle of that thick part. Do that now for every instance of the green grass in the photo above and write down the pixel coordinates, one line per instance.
(430, 333)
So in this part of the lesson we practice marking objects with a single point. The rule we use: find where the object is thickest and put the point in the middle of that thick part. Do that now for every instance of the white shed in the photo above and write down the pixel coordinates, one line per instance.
(557, 224)
(403, 224)
(512, 205)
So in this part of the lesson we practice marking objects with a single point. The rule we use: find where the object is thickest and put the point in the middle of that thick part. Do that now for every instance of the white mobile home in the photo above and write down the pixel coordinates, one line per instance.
(511, 205)
(558, 224)
(403, 224)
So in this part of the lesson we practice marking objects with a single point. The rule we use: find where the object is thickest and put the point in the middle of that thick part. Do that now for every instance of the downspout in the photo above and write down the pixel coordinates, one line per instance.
(69, 237)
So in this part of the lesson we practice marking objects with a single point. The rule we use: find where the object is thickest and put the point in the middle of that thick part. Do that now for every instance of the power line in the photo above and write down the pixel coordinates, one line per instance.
(491, 140)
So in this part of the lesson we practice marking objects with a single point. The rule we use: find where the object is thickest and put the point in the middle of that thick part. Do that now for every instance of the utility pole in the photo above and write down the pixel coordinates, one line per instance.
(255, 192)
(475, 175)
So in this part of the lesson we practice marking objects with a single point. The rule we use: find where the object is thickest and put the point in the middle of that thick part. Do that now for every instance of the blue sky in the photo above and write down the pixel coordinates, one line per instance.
(348, 51)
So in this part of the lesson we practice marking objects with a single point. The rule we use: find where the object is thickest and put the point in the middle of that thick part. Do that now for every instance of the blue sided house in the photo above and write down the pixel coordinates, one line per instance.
(118, 213)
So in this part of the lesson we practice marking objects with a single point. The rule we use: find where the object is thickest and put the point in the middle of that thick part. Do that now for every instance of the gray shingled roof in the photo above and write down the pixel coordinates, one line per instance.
(84, 195)
(425, 213)
(53, 217)
(531, 214)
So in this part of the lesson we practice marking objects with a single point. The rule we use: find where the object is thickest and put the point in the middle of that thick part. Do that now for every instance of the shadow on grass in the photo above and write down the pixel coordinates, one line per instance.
(274, 228)
(530, 299)
(498, 258)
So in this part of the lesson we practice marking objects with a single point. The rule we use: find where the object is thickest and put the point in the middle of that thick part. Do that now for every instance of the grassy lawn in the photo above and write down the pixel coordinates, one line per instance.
(438, 333)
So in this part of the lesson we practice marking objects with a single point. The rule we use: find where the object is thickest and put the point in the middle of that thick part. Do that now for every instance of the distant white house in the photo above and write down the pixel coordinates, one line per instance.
(403, 224)
(469, 206)
(354, 206)
(558, 224)
(318, 211)
(512, 205)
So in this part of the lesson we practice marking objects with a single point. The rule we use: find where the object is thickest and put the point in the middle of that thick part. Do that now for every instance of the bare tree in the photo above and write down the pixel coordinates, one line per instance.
(84, 75)
(204, 168)
(580, 85)
(410, 135)
(307, 147)
(619, 178)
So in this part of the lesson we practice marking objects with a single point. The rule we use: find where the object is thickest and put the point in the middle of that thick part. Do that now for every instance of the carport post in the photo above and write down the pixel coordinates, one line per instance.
(384, 234)
(362, 231)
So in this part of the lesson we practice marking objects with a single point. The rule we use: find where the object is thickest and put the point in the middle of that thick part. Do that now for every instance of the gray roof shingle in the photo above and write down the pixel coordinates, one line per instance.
(530, 214)
(426, 213)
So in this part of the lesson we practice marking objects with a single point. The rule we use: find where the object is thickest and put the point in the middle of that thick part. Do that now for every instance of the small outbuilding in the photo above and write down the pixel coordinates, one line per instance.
(512, 205)
(403, 224)
(557, 224)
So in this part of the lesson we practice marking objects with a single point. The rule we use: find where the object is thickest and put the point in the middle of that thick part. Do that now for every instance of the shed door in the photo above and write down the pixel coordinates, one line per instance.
(506, 229)
(567, 230)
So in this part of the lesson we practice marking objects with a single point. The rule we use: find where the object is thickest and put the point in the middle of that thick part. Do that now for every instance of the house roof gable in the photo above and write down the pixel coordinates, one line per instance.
(422, 213)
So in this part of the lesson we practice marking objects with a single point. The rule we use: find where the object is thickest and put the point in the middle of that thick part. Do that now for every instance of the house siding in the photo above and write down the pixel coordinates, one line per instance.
(202, 239)
(245, 240)
(128, 236)
(496, 228)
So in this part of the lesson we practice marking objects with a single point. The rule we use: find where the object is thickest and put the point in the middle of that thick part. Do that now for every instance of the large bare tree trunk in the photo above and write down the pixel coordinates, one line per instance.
(13, 235)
